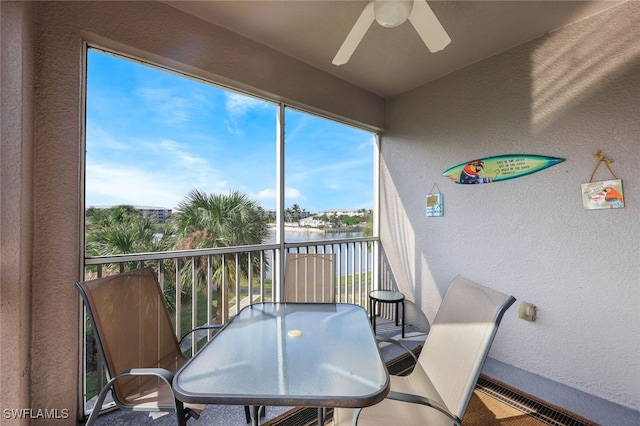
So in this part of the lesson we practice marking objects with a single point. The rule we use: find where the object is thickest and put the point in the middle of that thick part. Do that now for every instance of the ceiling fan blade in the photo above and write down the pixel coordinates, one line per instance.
(428, 27)
(355, 35)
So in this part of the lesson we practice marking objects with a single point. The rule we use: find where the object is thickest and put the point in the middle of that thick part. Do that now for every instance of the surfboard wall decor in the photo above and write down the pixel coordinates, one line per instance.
(501, 167)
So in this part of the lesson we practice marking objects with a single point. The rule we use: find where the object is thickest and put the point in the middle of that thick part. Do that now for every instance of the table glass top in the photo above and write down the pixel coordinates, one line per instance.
(289, 354)
(387, 295)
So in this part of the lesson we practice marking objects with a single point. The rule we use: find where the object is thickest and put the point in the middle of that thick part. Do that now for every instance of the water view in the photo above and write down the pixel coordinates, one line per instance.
(296, 235)
(343, 250)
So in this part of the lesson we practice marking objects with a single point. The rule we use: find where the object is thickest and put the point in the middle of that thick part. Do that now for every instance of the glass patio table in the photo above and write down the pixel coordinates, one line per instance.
(288, 354)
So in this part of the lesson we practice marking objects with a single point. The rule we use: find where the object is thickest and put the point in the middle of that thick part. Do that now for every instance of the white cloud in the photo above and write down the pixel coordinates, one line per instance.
(102, 139)
(178, 151)
(293, 193)
(269, 194)
(232, 127)
(238, 105)
(168, 106)
(110, 184)
(126, 178)
(369, 144)
(338, 169)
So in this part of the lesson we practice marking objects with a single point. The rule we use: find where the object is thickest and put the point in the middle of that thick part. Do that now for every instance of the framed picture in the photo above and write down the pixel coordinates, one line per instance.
(434, 205)
(605, 194)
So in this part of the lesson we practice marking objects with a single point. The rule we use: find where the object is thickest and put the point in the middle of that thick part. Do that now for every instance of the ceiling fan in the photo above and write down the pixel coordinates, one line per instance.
(391, 13)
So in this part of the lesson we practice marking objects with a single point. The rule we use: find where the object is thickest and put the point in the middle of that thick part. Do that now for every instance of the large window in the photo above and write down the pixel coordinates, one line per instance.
(154, 136)
(174, 164)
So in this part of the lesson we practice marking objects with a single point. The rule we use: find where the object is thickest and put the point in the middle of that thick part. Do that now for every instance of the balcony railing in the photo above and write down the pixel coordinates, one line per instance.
(193, 283)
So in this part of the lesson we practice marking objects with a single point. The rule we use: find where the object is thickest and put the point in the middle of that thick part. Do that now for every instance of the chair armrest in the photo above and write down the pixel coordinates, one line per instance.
(397, 343)
(202, 327)
(165, 375)
(414, 399)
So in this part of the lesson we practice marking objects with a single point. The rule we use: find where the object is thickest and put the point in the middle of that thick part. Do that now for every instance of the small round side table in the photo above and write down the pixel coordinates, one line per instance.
(386, 296)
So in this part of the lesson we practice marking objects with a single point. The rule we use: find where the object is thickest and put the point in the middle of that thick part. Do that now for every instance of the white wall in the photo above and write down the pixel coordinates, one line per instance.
(567, 95)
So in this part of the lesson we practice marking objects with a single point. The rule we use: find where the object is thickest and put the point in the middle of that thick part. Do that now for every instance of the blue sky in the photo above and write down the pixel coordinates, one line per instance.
(152, 136)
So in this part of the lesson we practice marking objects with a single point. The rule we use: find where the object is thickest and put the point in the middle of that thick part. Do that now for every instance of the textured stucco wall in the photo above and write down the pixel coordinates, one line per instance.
(567, 95)
(57, 216)
(16, 119)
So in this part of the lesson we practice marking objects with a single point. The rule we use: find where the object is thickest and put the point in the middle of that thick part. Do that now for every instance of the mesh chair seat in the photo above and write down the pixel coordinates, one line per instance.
(439, 388)
(136, 339)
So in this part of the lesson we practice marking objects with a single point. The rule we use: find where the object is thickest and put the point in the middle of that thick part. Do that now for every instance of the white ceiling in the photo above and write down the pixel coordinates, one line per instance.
(390, 61)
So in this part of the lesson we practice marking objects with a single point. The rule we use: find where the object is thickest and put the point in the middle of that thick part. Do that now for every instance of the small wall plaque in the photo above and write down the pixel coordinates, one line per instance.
(606, 194)
(435, 205)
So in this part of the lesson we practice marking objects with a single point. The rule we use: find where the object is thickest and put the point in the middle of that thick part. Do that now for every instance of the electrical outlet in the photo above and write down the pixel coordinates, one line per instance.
(527, 311)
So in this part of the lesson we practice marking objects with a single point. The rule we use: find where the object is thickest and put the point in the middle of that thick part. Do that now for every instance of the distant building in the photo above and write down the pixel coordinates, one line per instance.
(160, 214)
(312, 222)
(341, 212)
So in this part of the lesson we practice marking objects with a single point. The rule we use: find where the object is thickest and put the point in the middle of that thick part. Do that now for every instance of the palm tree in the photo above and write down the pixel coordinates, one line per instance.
(219, 220)
(295, 212)
(288, 215)
(120, 229)
(123, 229)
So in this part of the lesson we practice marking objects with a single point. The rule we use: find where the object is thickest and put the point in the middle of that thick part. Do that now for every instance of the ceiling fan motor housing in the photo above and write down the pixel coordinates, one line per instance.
(391, 13)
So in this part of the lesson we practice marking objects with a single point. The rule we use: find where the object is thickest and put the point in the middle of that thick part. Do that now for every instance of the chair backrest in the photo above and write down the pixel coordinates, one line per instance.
(460, 338)
(310, 277)
(132, 327)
